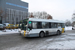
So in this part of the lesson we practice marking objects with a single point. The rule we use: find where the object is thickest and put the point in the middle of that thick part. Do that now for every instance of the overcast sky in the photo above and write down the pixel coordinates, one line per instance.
(59, 9)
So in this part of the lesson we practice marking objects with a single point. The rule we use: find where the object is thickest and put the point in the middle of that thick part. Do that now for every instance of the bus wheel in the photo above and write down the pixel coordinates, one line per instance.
(72, 29)
(41, 34)
(58, 33)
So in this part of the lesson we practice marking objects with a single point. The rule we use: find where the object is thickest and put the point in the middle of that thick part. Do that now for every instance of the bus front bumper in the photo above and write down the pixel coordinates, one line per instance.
(30, 35)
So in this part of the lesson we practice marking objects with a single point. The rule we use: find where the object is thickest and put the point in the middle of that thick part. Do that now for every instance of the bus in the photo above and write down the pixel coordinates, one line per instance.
(32, 27)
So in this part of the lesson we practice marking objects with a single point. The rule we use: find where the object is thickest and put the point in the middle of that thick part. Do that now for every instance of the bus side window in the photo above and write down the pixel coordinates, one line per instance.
(39, 25)
(54, 25)
(34, 25)
(62, 25)
(49, 25)
(59, 25)
(45, 25)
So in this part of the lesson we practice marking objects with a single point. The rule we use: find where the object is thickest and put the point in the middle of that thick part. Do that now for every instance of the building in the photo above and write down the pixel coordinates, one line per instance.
(13, 11)
(73, 20)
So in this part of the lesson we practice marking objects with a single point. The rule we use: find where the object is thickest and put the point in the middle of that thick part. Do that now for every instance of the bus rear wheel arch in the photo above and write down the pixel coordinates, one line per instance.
(41, 34)
(58, 32)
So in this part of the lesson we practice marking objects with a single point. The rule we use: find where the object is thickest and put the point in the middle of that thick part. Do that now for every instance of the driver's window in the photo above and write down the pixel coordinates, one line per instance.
(29, 24)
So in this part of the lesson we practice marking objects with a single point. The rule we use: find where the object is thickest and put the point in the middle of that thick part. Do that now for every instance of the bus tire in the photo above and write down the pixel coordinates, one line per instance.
(58, 32)
(41, 34)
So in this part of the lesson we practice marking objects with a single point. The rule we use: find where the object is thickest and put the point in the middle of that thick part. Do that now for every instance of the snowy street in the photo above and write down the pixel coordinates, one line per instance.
(17, 42)
(12, 31)
(37, 24)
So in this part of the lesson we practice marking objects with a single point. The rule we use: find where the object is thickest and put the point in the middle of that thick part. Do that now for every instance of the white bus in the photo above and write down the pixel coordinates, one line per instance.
(40, 27)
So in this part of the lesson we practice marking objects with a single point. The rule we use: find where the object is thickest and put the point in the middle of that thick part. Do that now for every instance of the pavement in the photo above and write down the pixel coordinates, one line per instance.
(17, 42)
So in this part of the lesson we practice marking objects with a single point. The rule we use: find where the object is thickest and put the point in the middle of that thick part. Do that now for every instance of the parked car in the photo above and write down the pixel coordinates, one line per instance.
(11, 26)
(73, 28)
(2, 27)
(6, 24)
(16, 26)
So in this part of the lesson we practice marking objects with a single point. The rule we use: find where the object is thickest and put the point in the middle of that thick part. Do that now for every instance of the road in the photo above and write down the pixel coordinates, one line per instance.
(17, 42)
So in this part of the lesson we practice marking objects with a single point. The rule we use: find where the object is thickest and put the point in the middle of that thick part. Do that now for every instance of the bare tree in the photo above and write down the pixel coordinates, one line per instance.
(73, 24)
(68, 23)
(31, 16)
(40, 15)
(49, 17)
(73, 19)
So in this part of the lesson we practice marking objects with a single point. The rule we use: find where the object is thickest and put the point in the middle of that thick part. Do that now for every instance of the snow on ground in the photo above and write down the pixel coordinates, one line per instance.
(66, 42)
(61, 45)
(12, 31)
(68, 27)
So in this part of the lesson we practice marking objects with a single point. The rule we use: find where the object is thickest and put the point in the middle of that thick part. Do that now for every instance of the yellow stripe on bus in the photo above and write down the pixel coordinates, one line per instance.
(24, 33)
(62, 30)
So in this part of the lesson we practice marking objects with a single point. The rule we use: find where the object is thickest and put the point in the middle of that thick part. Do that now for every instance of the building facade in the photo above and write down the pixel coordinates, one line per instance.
(13, 11)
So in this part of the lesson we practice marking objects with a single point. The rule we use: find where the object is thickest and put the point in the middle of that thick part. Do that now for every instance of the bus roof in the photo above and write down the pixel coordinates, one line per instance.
(46, 20)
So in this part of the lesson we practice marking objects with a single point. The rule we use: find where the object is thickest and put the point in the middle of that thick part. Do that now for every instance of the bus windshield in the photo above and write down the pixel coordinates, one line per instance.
(23, 24)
